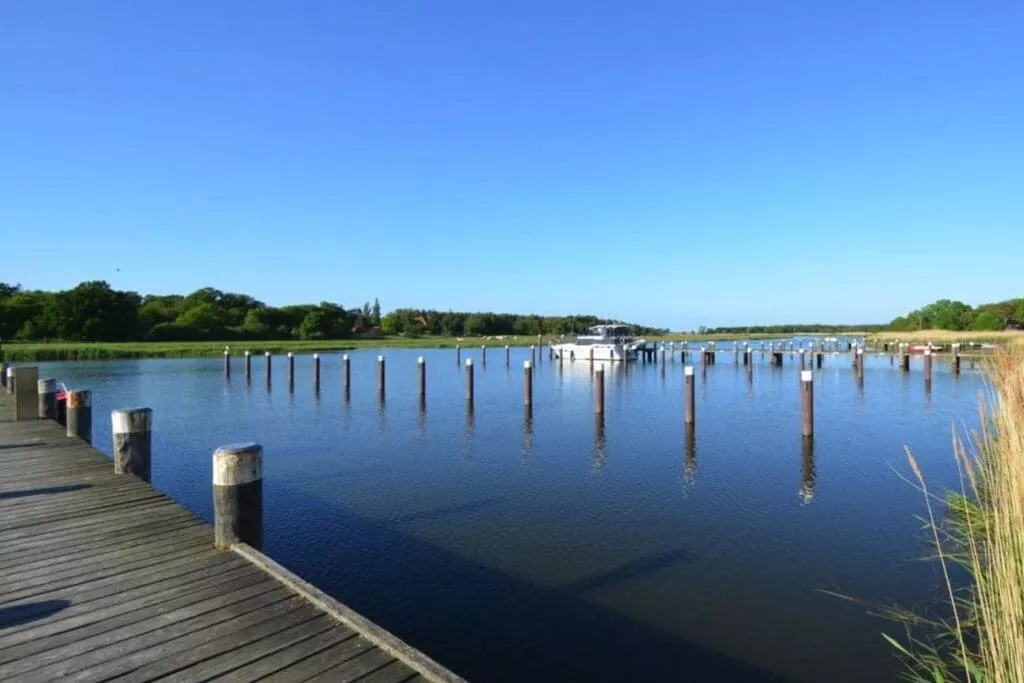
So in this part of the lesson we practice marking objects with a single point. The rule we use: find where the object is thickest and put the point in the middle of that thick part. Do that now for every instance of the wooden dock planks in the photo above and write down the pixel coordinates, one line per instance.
(103, 577)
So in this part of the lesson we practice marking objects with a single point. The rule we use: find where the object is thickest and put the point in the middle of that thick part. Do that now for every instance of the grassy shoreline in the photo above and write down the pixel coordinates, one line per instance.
(950, 336)
(58, 351)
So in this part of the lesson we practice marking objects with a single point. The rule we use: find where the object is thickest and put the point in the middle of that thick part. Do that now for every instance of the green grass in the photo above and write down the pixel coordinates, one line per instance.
(49, 351)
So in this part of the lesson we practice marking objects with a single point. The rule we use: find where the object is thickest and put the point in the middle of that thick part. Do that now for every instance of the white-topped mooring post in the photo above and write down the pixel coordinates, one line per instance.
(458, 354)
(133, 441)
(227, 363)
(928, 364)
(380, 377)
(346, 379)
(807, 403)
(507, 356)
(47, 390)
(291, 371)
(469, 383)
(421, 375)
(266, 368)
(26, 393)
(238, 495)
(79, 414)
(527, 383)
(688, 393)
(483, 354)
(956, 359)
(248, 366)
(316, 373)
(599, 390)
(860, 362)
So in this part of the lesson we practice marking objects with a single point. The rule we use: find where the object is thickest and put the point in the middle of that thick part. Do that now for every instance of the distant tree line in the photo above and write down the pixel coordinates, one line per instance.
(791, 329)
(95, 312)
(956, 315)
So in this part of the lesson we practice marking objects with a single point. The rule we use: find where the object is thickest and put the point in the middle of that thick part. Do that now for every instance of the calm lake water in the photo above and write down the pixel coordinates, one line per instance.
(544, 550)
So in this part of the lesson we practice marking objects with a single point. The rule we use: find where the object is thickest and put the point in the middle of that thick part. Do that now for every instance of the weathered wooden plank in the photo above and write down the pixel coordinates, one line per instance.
(84, 510)
(145, 569)
(357, 667)
(273, 663)
(180, 608)
(164, 659)
(323, 661)
(247, 652)
(395, 672)
(15, 531)
(79, 615)
(156, 634)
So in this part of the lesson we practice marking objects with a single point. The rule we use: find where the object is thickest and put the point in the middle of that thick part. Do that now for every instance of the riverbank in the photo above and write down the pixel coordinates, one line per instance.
(59, 351)
(950, 337)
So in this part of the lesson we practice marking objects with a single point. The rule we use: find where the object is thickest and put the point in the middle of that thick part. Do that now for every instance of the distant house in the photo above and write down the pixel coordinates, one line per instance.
(1013, 324)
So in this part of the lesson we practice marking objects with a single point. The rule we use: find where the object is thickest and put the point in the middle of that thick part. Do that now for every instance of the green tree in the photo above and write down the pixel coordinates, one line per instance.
(206, 318)
(92, 311)
(376, 311)
(314, 326)
(987, 321)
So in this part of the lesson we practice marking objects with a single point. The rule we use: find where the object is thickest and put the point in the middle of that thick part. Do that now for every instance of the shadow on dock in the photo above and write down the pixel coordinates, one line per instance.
(25, 493)
(33, 611)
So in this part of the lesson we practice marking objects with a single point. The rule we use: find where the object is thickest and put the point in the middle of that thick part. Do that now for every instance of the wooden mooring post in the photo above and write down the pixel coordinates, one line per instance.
(469, 383)
(483, 355)
(238, 495)
(346, 378)
(819, 359)
(528, 384)
(227, 364)
(688, 394)
(291, 371)
(133, 441)
(928, 364)
(316, 373)
(458, 355)
(956, 359)
(47, 390)
(248, 367)
(905, 358)
(267, 368)
(599, 391)
(381, 375)
(807, 403)
(803, 360)
(859, 363)
(79, 417)
(26, 393)
(508, 356)
(421, 381)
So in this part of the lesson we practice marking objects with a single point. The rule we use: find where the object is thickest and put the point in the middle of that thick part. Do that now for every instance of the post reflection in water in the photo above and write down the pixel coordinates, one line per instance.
(421, 415)
(469, 418)
(690, 460)
(527, 432)
(599, 441)
(807, 476)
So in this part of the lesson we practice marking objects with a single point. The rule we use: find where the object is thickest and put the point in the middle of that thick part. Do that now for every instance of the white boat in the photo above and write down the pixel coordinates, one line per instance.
(601, 343)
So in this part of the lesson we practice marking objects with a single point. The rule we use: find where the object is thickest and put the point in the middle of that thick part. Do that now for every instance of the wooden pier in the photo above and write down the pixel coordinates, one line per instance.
(103, 577)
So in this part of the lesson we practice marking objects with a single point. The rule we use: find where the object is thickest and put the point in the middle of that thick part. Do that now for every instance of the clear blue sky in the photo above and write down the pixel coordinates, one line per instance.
(677, 163)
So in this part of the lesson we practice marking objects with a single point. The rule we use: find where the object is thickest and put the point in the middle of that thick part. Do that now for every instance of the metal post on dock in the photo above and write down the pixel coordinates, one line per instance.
(381, 376)
(527, 384)
(248, 367)
(79, 417)
(227, 364)
(291, 371)
(469, 383)
(599, 390)
(346, 379)
(26, 393)
(238, 495)
(133, 441)
(316, 373)
(807, 403)
(266, 368)
(47, 389)
(688, 392)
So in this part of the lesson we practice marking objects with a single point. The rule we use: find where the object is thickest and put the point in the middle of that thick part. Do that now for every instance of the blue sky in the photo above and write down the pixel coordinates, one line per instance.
(676, 163)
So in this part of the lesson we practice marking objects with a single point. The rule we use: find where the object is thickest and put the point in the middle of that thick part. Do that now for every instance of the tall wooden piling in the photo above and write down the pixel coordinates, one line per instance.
(227, 364)
(483, 354)
(469, 383)
(267, 368)
(238, 495)
(859, 363)
(248, 367)
(346, 375)
(533, 353)
(956, 359)
(26, 393)
(928, 364)
(803, 360)
(599, 390)
(807, 403)
(458, 355)
(819, 359)
(508, 356)
(528, 383)
(421, 375)
(47, 390)
(133, 441)
(905, 358)
(79, 416)
(316, 373)
(688, 394)
(381, 375)
(291, 371)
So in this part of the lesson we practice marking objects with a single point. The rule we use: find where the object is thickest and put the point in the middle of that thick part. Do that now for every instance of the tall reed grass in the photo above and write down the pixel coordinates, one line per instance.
(981, 636)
